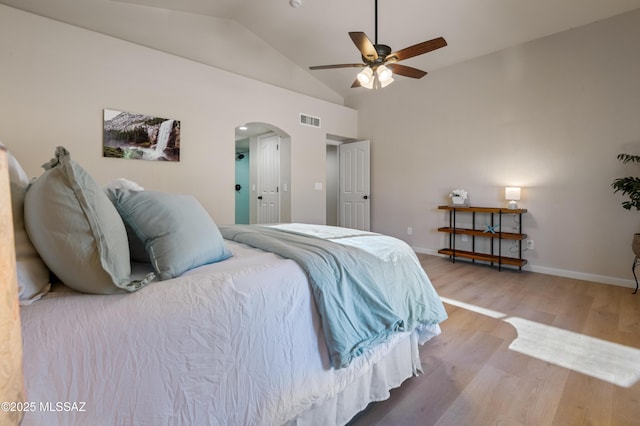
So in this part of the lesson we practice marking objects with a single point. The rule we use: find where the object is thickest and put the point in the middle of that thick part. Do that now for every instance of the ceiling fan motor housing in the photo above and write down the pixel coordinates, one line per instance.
(382, 50)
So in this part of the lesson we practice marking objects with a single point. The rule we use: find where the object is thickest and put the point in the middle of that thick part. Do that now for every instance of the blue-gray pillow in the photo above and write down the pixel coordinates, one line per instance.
(77, 231)
(177, 232)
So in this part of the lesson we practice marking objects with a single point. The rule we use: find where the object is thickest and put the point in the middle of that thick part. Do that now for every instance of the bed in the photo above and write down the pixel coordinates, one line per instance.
(264, 335)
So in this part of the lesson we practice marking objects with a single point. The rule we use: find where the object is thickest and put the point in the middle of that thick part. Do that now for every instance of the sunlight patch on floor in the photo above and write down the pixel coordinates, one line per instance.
(611, 362)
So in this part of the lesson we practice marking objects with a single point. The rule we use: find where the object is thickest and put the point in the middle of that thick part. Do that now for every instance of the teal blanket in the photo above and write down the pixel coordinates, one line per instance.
(362, 297)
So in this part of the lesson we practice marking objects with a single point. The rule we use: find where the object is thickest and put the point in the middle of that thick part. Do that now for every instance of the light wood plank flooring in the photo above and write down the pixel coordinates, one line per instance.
(473, 377)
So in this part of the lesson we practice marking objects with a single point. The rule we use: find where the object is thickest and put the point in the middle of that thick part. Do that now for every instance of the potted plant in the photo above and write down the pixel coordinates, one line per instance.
(459, 196)
(630, 187)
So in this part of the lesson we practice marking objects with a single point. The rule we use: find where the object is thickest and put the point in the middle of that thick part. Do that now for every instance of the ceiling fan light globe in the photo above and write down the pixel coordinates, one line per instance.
(365, 76)
(384, 84)
(384, 75)
(369, 85)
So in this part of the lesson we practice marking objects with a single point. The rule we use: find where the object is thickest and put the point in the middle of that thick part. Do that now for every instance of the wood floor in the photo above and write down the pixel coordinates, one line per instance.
(473, 377)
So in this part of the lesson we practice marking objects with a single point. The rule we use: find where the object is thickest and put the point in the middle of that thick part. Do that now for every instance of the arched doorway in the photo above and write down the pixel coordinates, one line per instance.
(263, 174)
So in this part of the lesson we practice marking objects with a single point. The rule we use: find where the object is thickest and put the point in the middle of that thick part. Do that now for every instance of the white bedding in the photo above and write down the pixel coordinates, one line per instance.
(232, 343)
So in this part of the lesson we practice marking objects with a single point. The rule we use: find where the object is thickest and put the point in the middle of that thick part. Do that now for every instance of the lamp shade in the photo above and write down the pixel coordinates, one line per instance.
(11, 380)
(512, 193)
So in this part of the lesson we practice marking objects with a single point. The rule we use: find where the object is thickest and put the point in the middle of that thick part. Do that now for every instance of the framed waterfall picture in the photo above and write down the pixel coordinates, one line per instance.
(140, 137)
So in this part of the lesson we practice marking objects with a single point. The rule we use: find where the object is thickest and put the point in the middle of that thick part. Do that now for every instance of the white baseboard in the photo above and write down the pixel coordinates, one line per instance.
(603, 279)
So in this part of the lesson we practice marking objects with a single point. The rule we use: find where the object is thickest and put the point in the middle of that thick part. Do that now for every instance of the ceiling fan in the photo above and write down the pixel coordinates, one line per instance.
(380, 62)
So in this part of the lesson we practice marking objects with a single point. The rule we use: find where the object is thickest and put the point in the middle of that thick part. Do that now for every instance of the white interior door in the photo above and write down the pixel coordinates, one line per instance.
(355, 204)
(268, 191)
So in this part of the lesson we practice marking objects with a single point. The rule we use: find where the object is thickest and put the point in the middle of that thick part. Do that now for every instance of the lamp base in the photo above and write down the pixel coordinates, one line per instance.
(513, 205)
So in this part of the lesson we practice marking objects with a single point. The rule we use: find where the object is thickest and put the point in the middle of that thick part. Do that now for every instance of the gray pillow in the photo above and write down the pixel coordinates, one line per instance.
(176, 230)
(33, 275)
(77, 231)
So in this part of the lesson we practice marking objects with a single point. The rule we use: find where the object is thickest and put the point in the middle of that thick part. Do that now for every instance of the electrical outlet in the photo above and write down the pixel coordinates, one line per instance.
(530, 245)
(409, 231)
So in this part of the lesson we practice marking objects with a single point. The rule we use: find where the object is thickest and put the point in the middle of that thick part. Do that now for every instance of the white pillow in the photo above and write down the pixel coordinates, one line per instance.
(122, 183)
(33, 274)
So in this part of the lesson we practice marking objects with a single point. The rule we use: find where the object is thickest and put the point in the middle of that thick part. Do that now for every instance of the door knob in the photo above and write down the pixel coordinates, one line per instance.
(366, 197)
(259, 197)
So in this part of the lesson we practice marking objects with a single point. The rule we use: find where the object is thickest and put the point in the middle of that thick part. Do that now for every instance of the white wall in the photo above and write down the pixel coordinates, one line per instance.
(222, 43)
(550, 116)
(55, 80)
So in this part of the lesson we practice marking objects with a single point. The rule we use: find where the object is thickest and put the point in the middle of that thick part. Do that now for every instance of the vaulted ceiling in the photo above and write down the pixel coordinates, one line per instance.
(316, 32)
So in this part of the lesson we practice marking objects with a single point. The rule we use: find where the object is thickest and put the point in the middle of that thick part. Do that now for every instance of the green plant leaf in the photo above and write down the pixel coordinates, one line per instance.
(629, 186)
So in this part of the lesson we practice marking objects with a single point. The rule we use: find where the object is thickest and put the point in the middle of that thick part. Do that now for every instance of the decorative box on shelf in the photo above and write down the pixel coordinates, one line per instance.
(493, 231)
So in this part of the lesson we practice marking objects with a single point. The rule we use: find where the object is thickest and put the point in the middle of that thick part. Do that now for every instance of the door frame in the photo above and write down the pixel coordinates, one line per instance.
(250, 131)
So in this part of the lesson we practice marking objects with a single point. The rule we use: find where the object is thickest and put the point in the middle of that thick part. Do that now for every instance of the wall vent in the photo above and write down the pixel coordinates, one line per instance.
(308, 120)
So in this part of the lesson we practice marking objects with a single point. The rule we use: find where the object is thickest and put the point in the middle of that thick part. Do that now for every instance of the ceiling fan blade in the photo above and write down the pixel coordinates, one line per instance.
(364, 45)
(327, 67)
(356, 83)
(417, 49)
(406, 71)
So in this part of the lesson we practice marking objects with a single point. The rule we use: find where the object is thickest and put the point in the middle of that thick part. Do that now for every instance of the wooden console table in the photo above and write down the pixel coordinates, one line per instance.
(494, 234)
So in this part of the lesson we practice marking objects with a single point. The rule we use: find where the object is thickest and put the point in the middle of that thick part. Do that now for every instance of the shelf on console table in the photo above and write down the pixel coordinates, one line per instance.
(477, 209)
(474, 255)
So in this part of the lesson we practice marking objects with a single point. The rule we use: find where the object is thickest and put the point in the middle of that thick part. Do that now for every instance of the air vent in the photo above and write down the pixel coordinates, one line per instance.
(307, 120)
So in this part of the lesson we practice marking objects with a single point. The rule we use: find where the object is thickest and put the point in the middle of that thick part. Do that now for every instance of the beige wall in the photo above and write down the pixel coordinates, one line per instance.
(550, 116)
(55, 80)
(222, 43)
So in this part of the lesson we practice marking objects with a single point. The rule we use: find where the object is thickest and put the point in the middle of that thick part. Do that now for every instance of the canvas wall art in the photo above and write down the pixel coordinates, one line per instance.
(140, 137)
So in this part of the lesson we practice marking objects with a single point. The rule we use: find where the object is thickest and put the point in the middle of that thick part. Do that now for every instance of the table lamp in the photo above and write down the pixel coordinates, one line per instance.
(512, 194)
